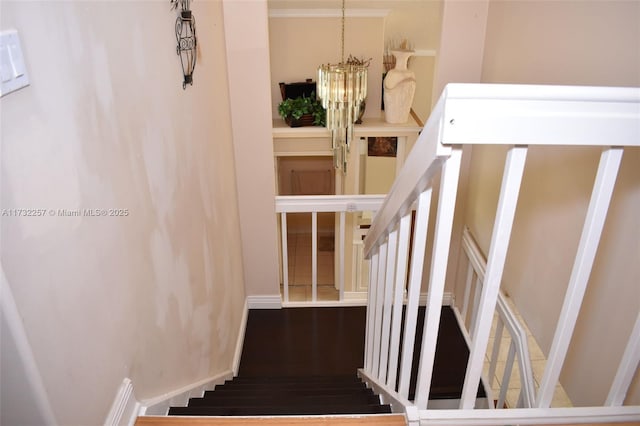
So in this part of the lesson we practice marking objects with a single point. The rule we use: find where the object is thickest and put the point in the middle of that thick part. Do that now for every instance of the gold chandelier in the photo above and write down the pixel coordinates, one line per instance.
(342, 88)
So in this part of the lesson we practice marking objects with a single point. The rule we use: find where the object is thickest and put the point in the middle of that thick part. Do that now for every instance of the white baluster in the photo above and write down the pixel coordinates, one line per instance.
(285, 256)
(314, 256)
(511, 181)
(398, 294)
(341, 233)
(371, 303)
(382, 265)
(593, 224)
(413, 295)
(438, 273)
(386, 307)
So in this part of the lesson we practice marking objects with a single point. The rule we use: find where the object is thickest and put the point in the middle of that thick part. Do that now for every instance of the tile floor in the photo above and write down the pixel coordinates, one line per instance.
(538, 361)
(299, 253)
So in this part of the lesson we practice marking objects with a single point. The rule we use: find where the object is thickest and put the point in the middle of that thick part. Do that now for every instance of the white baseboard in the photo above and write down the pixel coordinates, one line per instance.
(351, 298)
(447, 299)
(240, 341)
(356, 295)
(325, 304)
(125, 407)
(264, 302)
(159, 406)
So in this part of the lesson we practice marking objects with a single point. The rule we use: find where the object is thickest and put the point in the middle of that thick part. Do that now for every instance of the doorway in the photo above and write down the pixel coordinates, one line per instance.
(312, 175)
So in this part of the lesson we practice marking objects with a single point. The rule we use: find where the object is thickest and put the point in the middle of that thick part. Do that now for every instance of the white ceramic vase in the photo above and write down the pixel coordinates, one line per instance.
(399, 89)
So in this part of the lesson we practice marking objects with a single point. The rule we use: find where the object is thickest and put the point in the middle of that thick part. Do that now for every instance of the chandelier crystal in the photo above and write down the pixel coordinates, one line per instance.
(342, 89)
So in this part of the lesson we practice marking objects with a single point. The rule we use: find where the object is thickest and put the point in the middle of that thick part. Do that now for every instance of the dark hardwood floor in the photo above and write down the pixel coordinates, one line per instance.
(303, 341)
(330, 341)
(303, 361)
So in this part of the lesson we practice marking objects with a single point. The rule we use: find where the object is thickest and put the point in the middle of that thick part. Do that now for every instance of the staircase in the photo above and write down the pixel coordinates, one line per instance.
(277, 396)
(299, 362)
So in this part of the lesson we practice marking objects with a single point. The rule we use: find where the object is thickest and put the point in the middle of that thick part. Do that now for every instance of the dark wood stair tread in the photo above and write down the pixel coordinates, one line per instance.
(276, 396)
(302, 361)
(295, 379)
(286, 392)
(281, 410)
(360, 398)
(277, 386)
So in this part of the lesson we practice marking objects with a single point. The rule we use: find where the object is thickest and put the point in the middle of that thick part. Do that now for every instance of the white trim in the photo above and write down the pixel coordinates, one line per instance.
(360, 296)
(387, 304)
(264, 302)
(314, 256)
(341, 248)
(325, 304)
(603, 187)
(438, 274)
(447, 299)
(503, 224)
(453, 404)
(628, 364)
(240, 341)
(328, 203)
(284, 259)
(159, 406)
(423, 163)
(371, 126)
(302, 153)
(9, 311)
(530, 416)
(397, 402)
(404, 229)
(416, 266)
(540, 115)
(124, 409)
(328, 13)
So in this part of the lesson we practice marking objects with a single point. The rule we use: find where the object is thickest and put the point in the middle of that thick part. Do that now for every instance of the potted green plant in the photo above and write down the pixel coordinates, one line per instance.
(303, 111)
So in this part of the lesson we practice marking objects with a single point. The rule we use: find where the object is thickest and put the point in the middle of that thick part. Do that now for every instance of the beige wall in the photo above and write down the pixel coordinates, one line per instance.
(417, 21)
(459, 60)
(424, 69)
(157, 295)
(296, 58)
(246, 34)
(565, 42)
(380, 172)
(460, 51)
(299, 45)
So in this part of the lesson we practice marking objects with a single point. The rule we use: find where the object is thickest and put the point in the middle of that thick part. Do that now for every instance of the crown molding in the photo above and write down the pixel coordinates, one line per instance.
(328, 13)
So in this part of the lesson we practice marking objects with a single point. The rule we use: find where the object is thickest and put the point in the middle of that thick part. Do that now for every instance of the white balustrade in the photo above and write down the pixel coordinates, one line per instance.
(517, 116)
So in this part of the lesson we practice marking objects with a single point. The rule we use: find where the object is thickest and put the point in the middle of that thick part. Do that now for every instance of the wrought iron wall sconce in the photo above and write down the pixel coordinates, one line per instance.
(186, 39)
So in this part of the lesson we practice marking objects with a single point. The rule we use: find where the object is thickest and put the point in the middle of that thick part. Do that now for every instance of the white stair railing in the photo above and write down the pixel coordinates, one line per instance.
(518, 347)
(314, 204)
(516, 116)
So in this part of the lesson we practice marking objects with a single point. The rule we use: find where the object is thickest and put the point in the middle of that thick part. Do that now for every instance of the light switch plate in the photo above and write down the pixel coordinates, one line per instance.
(12, 66)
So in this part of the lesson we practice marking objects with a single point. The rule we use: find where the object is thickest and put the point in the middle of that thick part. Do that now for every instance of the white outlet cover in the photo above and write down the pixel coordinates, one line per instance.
(12, 67)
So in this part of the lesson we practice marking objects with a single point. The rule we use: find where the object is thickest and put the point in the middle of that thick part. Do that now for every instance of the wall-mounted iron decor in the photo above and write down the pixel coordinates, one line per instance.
(186, 38)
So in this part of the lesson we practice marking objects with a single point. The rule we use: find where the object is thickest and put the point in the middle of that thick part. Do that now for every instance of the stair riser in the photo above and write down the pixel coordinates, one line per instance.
(286, 393)
(282, 396)
(278, 411)
(286, 386)
(295, 379)
(304, 400)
